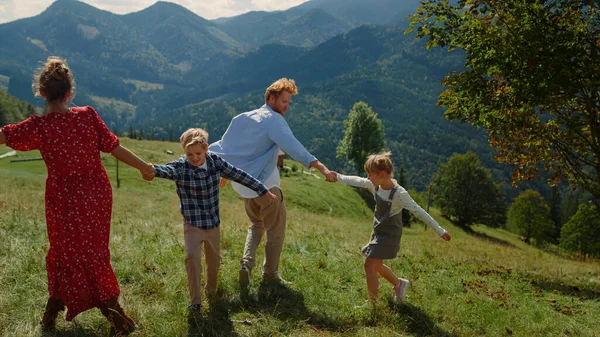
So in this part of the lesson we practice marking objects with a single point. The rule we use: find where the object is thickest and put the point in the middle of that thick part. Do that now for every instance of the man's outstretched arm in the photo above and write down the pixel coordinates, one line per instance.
(329, 175)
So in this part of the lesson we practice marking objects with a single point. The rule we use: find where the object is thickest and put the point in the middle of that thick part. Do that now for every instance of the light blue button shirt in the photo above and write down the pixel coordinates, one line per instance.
(252, 142)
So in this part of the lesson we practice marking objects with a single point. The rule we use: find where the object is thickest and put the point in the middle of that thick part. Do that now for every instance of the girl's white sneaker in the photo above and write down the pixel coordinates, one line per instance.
(400, 290)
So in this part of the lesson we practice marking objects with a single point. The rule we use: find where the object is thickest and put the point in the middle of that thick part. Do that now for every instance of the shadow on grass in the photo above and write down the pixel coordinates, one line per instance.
(486, 237)
(566, 290)
(216, 323)
(418, 323)
(282, 302)
(77, 331)
(286, 304)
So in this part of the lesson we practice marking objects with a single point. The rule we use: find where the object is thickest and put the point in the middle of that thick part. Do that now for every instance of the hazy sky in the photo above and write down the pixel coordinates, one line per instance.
(11, 10)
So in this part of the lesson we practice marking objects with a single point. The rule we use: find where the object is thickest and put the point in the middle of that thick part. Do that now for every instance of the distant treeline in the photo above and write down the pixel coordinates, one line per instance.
(13, 110)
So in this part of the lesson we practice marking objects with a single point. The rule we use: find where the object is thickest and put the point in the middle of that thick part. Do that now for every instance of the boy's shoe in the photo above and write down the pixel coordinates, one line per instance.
(194, 307)
(244, 276)
(400, 290)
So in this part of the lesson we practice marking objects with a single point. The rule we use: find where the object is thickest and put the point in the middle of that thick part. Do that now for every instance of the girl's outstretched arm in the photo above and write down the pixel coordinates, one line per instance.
(2, 138)
(356, 181)
(132, 160)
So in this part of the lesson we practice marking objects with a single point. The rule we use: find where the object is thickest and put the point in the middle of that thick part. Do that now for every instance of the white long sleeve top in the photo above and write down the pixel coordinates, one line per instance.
(400, 201)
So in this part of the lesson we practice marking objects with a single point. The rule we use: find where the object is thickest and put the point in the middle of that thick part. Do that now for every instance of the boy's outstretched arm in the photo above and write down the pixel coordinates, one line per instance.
(169, 171)
(233, 173)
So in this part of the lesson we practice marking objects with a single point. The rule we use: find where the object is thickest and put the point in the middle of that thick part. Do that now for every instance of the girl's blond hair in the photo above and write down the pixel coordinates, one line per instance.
(280, 85)
(195, 136)
(379, 162)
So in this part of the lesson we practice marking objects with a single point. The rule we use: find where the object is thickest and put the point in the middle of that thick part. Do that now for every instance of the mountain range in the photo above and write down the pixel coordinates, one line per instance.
(165, 69)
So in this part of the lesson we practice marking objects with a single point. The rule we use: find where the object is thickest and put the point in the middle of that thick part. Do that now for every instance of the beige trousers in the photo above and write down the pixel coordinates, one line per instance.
(194, 238)
(269, 217)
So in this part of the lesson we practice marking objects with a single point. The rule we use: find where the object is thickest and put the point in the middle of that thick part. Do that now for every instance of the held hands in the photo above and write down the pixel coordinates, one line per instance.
(330, 176)
(148, 172)
(272, 197)
(446, 236)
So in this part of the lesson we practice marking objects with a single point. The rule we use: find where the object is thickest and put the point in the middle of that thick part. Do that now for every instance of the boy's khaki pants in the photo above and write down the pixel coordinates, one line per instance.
(270, 217)
(194, 238)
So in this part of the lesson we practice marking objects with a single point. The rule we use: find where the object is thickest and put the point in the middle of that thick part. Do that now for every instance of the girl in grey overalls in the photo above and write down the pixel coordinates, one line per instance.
(390, 199)
(387, 229)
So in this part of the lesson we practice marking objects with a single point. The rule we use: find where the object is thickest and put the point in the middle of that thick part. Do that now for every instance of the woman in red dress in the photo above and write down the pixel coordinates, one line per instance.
(78, 199)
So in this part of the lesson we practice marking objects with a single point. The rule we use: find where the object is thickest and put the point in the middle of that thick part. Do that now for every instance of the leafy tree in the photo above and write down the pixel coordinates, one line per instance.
(571, 201)
(465, 191)
(3, 115)
(555, 203)
(363, 135)
(13, 110)
(529, 215)
(494, 215)
(530, 79)
(580, 234)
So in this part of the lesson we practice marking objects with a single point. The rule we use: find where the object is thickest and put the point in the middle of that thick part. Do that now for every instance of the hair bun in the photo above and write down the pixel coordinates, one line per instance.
(54, 80)
(58, 71)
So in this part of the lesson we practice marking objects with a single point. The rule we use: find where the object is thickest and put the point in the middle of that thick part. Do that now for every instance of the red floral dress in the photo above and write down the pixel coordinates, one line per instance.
(78, 203)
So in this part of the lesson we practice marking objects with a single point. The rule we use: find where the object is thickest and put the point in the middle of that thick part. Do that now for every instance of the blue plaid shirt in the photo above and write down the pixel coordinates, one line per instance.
(198, 188)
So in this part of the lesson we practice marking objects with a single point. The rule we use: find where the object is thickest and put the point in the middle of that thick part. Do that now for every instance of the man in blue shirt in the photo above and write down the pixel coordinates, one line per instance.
(252, 142)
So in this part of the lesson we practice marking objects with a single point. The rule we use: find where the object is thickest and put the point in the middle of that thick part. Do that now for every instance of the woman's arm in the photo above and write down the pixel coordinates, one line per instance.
(132, 160)
(2, 138)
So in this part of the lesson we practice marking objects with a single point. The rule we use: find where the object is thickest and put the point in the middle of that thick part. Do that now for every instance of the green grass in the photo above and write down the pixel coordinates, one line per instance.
(483, 284)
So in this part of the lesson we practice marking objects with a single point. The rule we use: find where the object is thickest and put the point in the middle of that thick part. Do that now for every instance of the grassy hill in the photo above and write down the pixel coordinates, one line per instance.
(487, 284)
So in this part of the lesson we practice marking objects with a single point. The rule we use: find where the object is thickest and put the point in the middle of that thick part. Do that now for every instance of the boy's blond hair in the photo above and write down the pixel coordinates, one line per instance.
(194, 136)
(280, 85)
(380, 162)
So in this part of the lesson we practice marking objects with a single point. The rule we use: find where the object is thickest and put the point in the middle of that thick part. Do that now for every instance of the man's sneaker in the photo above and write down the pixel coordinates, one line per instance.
(400, 290)
(194, 307)
(244, 276)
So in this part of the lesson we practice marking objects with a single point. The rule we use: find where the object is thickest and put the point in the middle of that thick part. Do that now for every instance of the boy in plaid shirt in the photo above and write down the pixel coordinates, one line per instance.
(196, 176)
